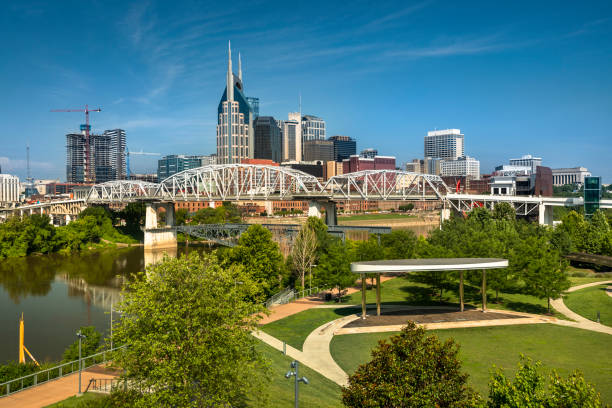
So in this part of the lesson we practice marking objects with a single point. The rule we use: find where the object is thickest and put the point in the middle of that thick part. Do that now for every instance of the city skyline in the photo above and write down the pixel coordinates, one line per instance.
(534, 83)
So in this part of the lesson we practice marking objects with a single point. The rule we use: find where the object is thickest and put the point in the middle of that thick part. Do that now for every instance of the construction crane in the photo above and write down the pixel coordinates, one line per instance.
(88, 169)
(140, 153)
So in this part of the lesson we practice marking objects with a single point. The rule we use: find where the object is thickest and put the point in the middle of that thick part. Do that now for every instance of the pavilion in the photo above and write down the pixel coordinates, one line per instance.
(430, 265)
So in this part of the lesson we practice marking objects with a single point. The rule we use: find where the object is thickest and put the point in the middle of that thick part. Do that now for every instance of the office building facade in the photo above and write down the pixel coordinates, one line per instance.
(175, 163)
(369, 153)
(444, 144)
(573, 175)
(462, 166)
(527, 161)
(357, 163)
(267, 139)
(292, 139)
(318, 150)
(107, 155)
(234, 119)
(313, 128)
(9, 190)
(344, 147)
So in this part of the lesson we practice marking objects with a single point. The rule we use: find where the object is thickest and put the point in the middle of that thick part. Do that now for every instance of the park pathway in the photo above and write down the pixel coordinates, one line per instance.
(53, 391)
(579, 321)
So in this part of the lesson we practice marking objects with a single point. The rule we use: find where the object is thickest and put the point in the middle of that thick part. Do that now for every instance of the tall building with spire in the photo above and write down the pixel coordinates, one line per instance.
(235, 139)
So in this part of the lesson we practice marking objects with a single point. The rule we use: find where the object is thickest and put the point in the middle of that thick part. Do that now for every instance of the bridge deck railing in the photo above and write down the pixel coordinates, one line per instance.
(54, 373)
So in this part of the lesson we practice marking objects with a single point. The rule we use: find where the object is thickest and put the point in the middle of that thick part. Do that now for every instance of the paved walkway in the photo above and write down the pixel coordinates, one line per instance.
(579, 321)
(53, 391)
(281, 311)
(609, 291)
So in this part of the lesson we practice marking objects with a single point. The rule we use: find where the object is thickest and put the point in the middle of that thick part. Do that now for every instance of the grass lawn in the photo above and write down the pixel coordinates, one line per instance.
(587, 302)
(402, 290)
(320, 392)
(75, 401)
(562, 348)
(294, 329)
(368, 217)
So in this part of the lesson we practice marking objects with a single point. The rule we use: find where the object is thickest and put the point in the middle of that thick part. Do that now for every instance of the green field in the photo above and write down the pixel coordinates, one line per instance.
(369, 217)
(563, 348)
(295, 328)
(402, 290)
(587, 302)
(320, 392)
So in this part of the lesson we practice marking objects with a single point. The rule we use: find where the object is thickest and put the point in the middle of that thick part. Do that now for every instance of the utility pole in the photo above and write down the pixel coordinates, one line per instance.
(80, 336)
(295, 366)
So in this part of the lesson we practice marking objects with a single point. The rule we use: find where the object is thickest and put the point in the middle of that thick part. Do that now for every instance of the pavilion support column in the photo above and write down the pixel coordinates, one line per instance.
(363, 296)
(378, 294)
(484, 290)
(461, 291)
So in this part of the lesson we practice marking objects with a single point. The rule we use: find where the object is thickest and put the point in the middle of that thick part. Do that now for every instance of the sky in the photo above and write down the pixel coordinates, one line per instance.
(520, 77)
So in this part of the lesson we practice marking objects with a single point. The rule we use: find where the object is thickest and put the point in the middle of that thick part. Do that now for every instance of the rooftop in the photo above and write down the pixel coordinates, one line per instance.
(432, 264)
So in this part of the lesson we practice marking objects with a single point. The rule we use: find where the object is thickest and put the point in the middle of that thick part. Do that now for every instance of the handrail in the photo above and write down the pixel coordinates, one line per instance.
(32, 380)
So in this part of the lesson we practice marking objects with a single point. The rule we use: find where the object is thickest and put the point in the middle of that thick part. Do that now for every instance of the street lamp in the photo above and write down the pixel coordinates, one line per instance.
(81, 336)
(295, 366)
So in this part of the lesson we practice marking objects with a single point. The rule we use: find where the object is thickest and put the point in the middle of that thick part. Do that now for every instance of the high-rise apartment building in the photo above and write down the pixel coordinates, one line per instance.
(107, 154)
(344, 147)
(292, 138)
(117, 151)
(267, 139)
(318, 150)
(313, 128)
(444, 144)
(235, 117)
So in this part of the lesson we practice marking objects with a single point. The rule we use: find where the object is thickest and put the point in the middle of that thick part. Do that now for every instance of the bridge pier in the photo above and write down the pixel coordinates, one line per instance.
(331, 212)
(545, 214)
(155, 237)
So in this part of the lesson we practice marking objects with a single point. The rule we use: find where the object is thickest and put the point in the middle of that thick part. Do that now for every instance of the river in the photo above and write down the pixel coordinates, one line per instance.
(59, 293)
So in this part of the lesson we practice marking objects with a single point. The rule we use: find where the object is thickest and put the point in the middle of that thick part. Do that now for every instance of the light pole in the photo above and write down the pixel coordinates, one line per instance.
(295, 366)
(81, 336)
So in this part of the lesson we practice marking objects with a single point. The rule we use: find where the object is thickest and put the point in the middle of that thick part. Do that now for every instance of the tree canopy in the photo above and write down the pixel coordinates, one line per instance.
(187, 324)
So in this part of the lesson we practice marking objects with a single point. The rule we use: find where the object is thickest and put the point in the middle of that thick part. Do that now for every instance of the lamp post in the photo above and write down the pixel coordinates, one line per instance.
(81, 336)
(295, 366)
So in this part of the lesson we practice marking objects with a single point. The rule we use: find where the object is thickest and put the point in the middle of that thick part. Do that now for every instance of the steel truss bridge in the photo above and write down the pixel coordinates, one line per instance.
(236, 182)
(228, 234)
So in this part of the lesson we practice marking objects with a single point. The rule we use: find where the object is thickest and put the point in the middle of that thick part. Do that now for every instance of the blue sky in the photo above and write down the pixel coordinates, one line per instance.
(522, 77)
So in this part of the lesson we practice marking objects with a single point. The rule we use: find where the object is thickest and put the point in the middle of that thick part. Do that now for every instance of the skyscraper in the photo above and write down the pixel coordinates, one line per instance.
(444, 144)
(235, 139)
(107, 154)
(117, 151)
(313, 128)
(267, 139)
(292, 140)
(318, 150)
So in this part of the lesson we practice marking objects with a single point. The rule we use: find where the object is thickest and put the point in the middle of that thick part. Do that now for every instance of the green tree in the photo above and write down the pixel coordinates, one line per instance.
(528, 390)
(411, 369)
(334, 268)
(187, 324)
(399, 244)
(261, 258)
(504, 211)
(181, 216)
(89, 345)
(303, 252)
(544, 271)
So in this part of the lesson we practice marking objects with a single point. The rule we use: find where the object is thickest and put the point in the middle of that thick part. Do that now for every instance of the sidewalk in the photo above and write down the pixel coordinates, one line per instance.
(288, 309)
(53, 391)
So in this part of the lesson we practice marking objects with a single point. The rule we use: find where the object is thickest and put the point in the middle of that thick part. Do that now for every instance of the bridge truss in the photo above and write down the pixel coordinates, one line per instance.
(235, 182)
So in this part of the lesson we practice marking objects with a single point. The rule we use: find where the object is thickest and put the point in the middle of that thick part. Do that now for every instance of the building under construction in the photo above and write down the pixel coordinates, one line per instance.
(107, 155)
